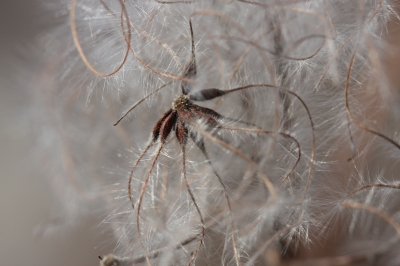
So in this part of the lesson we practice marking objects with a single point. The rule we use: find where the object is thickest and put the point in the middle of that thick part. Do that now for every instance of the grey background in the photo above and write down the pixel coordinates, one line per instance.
(25, 198)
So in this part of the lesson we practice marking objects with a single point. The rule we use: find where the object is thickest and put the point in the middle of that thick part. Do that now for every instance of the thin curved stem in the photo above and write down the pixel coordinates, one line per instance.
(297, 42)
(201, 146)
(140, 101)
(237, 151)
(143, 190)
(127, 40)
(357, 123)
(256, 130)
(394, 186)
(375, 211)
(191, 68)
(79, 47)
(195, 204)
(131, 174)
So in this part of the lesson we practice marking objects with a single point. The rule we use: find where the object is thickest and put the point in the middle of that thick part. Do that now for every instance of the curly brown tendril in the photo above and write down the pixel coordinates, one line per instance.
(346, 92)
(79, 47)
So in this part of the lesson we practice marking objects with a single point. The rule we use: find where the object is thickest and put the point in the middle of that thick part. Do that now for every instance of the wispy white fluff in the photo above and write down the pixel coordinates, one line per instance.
(309, 53)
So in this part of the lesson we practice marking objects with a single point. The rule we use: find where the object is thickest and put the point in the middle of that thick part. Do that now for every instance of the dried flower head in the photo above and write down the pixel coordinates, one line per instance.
(279, 111)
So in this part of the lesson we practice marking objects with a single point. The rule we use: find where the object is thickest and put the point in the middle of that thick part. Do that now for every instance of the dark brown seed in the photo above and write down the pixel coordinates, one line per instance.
(167, 126)
(157, 127)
